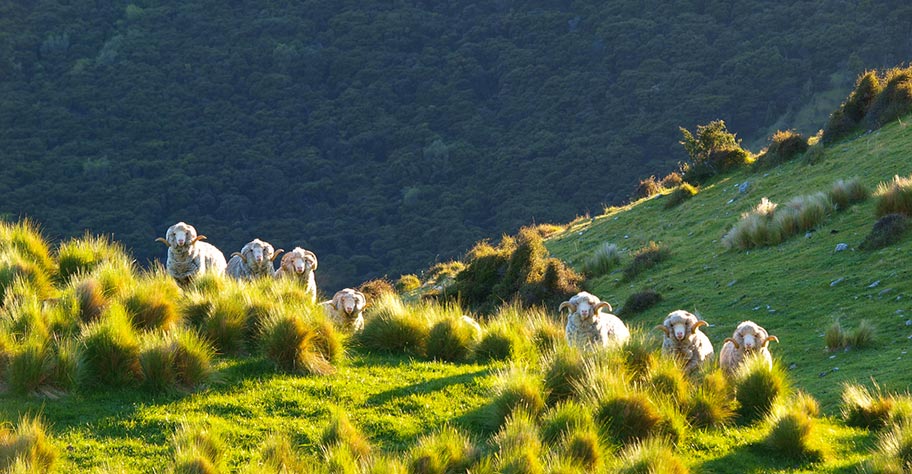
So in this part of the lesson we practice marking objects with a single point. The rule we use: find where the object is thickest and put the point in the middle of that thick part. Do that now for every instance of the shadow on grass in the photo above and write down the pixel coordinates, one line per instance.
(426, 387)
(756, 457)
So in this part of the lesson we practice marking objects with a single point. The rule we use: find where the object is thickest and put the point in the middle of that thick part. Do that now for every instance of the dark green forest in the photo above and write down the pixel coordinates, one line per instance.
(387, 135)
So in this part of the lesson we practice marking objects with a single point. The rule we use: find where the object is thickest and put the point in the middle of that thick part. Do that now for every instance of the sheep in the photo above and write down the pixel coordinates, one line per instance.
(253, 261)
(346, 308)
(300, 264)
(188, 255)
(684, 341)
(748, 338)
(587, 325)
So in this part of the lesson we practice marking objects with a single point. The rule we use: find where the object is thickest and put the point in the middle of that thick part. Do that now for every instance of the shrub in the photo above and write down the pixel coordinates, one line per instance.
(452, 339)
(394, 327)
(893, 453)
(671, 180)
(650, 456)
(894, 197)
(448, 450)
(862, 409)
(374, 289)
(603, 260)
(519, 445)
(292, 343)
(844, 120)
(887, 231)
(341, 431)
(758, 388)
(646, 188)
(646, 258)
(152, 303)
(565, 418)
(81, 256)
(408, 283)
(110, 349)
(443, 273)
(680, 194)
(796, 434)
(198, 450)
(29, 446)
(894, 101)
(710, 140)
(641, 301)
(815, 154)
(783, 146)
(846, 193)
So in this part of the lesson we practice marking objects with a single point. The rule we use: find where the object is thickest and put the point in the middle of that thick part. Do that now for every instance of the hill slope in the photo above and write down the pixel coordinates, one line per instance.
(359, 130)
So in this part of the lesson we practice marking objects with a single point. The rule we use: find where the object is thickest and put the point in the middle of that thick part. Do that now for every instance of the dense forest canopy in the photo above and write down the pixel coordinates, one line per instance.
(385, 135)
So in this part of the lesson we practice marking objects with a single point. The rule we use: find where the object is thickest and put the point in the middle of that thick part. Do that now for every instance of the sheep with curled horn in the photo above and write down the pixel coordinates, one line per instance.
(300, 264)
(684, 341)
(188, 255)
(253, 261)
(587, 325)
(748, 339)
(346, 309)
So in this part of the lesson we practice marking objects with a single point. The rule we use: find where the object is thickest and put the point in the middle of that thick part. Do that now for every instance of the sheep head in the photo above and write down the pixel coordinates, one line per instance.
(256, 252)
(585, 304)
(680, 325)
(181, 236)
(349, 301)
(750, 336)
(299, 261)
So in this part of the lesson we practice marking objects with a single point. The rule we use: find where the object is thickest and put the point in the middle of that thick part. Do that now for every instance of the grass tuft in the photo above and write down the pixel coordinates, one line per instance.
(110, 349)
(296, 344)
(563, 419)
(394, 327)
(846, 193)
(152, 303)
(645, 258)
(340, 430)
(519, 445)
(177, 360)
(28, 446)
(893, 453)
(680, 194)
(640, 301)
(650, 456)
(80, 256)
(863, 409)
(447, 450)
(197, 450)
(452, 338)
(602, 261)
(758, 388)
(797, 435)
(564, 370)
(894, 197)
(516, 389)
(887, 231)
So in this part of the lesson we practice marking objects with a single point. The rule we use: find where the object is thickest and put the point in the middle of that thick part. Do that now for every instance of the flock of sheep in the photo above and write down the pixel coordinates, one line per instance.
(189, 256)
(587, 325)
(683, 340)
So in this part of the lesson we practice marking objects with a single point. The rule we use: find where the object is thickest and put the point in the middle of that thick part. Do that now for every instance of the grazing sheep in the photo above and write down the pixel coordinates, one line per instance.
(300, 264)
(346, 308)
(684, 341)
(749, 338)
(253, 261)
(587, 325)
(188, 255)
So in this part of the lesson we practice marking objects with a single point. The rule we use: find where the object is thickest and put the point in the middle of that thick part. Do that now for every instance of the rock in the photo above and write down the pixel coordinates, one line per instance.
(732, 283)
(793, 366)
(884, 291)
(841, 246)
(899, 311)
(909, 322)
(874, 285)
(743, 187)
(730, 201)
(808, 235)
(837, 281)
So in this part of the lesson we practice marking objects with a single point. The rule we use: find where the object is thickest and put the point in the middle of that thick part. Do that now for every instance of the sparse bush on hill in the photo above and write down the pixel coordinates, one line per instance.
(646, 188)
(712, 151)
(784, 146)
(645, 258)
(640, 301)
(887, 231)
(681, 193)
(672, 180)
(375, 288)
(605, 258)
(894, 197)
(894, 100)
(408, 283)
(844, 120)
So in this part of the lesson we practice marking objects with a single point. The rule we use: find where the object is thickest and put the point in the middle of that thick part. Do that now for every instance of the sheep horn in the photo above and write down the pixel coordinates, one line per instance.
(276, 254)
(734, 342)
(697, 325)
(163, 241)
(664, 329)
(360, 297)
(312, 256)
(198, 238)
(565, 304)
(770, 338)
(237, 254)
(603, 304)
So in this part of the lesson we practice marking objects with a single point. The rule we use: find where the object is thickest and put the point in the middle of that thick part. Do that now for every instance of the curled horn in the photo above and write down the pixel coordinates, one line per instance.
(198, 238)
(237, 254)
(163, 241)
(566, 304)
(697, 325)
(337, 298)
(768, 339)
(276, 254)
(734, 342)
(313, 256)
(664, 329)
(362, 301)
(603, 304)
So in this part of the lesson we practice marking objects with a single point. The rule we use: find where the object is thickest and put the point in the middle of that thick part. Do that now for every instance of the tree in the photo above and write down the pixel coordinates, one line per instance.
(711, 139)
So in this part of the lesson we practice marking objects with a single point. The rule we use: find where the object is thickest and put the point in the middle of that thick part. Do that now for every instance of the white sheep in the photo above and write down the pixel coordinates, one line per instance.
(188, 255)
(748, 338)
(684, 341)
(253, 261)
(300, 264)
(346, 309)
(587, 325)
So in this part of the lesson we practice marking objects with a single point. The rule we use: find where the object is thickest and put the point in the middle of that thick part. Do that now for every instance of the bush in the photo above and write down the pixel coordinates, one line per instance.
(408, 283)
(341, 431)
(796, 434)
(758, 388)
(894, 101)
(452, 339)
(641, 301)
(81, 256)
(646, 258)
(110, 350)
(849, 115)
(650, 456)
(680, 194)
(393, 327)
(895, 197)
(846, 193)
(604, 259)
(646, 188)
(374, 289)
(671, 180)
(28, 445)
(448, 450)
(887, 231)
(784, 146)
(770, 224)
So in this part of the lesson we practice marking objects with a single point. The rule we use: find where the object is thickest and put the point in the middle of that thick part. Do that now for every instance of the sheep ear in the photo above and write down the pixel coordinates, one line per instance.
(697, 325)
(664, 329)
(566, 304)
(770, 338)
(734, 342)
(603, 304)
(163, 241)
(276, 254)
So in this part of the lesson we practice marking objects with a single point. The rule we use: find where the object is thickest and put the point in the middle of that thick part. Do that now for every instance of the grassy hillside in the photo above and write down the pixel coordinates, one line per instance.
(791, 289)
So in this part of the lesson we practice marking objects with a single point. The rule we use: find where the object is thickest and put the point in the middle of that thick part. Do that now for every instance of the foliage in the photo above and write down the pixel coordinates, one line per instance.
(867, 410)
(295, 341)
(81, 255)
(564, 371)
(850, 114)
(784, 146)
(110, 349)
(887, 231)
(893, 453)
(894, 100)
(602, 260)
(646, 258)
(797, 435)
(407, 283)
(641, 301)
(152, 303)
(519, 446)
(395, 327)
(681, 193)
(176, 360)
(647, 187)
(712, 151)
(374, 289)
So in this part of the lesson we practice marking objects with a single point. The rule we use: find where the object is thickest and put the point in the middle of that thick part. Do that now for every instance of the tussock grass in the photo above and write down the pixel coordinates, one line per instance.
(27, 447)
(784, 146)
(90, 299)
(796, 434)
(640, 301)
(395, 327)
(14, 266)
(447, 450)
(583, 448)
(226, 322)
(864, 409)
(563, 419)
(710, 404)
(650, 456)
(517, 388)
(758, 388)
(277, 456)
(198, 449)
(152, 303)
(452, 340)
(547, 332)
(893, 453)
(24, 238)
(339, 459)
(845, 193)
(297, 342)
(646, 258)
(770, 224)
(116, 277)
(894, 197)
(887, 231)
(519, 445)
(564, 371)
(80, 256)
(666, 379)
(634, 417)
(110, 350)
(838, 338)
(681, 193)
(177, 360)
(605, 258)
(341, 431)
(507, 336)
(647, 187)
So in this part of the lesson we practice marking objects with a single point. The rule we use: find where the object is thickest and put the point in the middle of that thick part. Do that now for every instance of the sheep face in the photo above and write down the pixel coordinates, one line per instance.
(256, 252)
(349, 301)
(181, 236)
(585, 304)
(680, 325)
(299, 261)
(750, 336)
